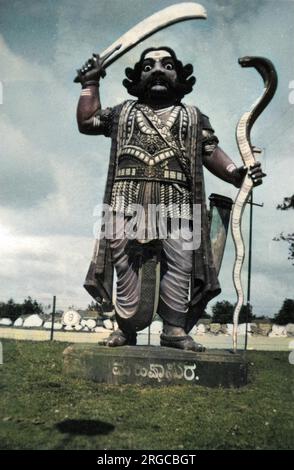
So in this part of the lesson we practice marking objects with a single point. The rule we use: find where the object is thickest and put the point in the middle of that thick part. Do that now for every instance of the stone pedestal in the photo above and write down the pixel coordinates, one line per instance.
(155, 366)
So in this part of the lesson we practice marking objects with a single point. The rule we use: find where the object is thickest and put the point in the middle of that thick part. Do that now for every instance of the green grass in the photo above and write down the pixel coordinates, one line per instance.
(42, 409)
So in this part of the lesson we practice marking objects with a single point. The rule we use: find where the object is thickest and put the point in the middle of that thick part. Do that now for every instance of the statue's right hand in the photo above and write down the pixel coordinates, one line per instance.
(91, 72)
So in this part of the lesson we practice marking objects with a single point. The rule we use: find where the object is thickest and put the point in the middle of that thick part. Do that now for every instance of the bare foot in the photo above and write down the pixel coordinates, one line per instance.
(176, 337)
(119, 338)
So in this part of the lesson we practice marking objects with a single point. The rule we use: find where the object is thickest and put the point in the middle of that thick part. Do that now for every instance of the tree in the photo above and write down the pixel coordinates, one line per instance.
(286, 313)
(223, 313)
(13, 310)
(31, 306)
(9, 310)
(287, 204)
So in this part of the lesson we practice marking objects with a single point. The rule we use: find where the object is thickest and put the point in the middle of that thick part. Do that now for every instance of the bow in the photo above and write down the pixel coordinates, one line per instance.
(267, 71)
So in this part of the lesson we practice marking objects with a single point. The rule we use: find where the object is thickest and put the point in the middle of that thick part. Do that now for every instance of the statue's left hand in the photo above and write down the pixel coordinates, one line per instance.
(255, 172)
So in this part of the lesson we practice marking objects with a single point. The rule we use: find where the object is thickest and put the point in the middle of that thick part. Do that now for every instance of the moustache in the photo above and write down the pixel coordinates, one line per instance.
(158, 80)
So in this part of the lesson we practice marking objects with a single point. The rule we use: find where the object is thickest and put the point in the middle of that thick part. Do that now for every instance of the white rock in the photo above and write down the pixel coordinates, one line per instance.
(5, 321)
(68, 328)
(115, 325)
(33, 321)
(91, 324)
(85, 328)
(71, 318)
(194, 330)
(215, 328)
(290, 329)
(78, 327)
(230, 328)
(99, 329)
(242, 329)
(201, 329)
(254, 328)
(58, 326)
(156, 327)
(108, 324)
(83, 322)
(278, 330)
(224, 329)
(18, 322)
(263, 328)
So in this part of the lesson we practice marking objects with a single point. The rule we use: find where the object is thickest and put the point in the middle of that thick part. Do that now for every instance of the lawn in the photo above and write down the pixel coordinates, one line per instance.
(43, 409)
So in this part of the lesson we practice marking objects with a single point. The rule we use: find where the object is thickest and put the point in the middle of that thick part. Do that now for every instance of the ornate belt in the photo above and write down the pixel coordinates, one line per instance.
(151, 172)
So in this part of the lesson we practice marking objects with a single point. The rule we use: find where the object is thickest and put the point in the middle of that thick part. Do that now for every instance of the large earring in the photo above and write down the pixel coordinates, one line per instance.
(188, 70)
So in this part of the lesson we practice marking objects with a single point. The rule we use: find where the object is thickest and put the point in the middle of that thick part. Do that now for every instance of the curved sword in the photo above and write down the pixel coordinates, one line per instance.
(267, 71)
(143, 30)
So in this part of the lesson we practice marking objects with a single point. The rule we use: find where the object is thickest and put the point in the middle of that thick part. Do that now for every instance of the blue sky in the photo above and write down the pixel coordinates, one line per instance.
(52, 177)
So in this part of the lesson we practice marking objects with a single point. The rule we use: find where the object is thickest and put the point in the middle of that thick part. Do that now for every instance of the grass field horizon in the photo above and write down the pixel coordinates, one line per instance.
(43, 409)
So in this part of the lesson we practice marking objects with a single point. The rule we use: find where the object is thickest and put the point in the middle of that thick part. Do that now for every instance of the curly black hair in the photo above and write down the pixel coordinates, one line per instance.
(184, 84)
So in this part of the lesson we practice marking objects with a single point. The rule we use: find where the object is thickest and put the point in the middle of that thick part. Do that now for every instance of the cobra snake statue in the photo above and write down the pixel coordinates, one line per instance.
(267, 71)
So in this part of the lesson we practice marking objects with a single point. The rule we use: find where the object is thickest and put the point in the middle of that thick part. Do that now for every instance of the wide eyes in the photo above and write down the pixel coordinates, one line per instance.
(147, 68)
(167, 66)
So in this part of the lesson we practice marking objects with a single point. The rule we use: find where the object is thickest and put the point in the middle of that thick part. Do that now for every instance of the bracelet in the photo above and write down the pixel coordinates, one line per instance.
(90, 83)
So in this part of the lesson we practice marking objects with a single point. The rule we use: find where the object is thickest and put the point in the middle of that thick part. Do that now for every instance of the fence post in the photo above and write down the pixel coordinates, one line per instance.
(53, 318)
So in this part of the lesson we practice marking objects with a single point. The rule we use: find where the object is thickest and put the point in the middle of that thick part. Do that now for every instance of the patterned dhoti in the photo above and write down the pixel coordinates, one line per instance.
(175, 274)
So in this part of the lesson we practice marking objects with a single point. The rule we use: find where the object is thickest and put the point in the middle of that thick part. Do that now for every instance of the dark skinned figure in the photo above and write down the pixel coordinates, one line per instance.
(159, 148)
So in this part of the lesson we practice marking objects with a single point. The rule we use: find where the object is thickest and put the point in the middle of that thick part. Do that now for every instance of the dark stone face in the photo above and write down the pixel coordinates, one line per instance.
(159, 78)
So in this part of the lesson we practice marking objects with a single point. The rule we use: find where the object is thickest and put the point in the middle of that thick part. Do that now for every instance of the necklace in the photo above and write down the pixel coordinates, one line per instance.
(146, 129)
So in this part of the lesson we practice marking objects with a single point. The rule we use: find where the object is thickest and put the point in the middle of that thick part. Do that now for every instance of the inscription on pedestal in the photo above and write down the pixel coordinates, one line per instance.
(156, 371)
(155, 366)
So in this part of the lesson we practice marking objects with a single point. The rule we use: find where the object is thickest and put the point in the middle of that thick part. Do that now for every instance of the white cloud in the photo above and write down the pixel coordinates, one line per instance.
(15, 67)
(25, 179)
(43, 267)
